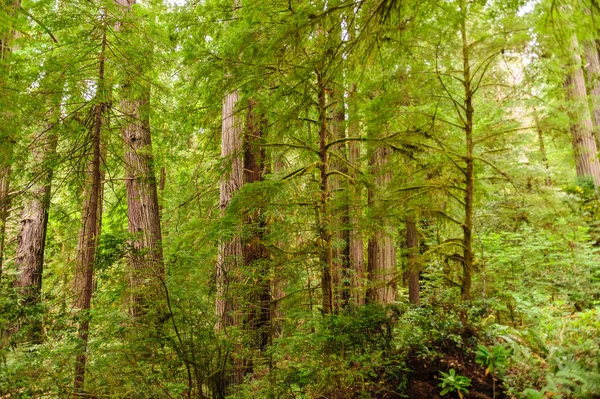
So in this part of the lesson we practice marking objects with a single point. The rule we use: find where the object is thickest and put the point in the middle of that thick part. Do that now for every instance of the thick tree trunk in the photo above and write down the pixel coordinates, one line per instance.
(230, 251)
(592, 69)
(6, 139)
(355, 238)
(31, 241)
(255, 252)
(340, 215)
(582, 130)
(413, 266)
(143, 212)
(382, 267)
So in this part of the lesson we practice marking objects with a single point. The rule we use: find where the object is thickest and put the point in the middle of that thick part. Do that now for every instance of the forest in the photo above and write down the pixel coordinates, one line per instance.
(299, 199)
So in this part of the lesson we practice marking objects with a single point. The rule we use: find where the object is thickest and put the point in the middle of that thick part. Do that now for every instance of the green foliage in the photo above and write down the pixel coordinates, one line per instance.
(494, 359)
(452, 382)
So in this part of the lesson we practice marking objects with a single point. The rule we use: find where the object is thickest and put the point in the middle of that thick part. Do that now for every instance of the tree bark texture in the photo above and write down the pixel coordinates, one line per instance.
(592, 69)
(230, 253)
(31, 241)
(256, 255)
(582, 130)
(382, 265)
(340, 215)
(355, 238)
(88, 243)
(143, 213)
(324, 204)
(468, 256)
(7, 139)
(89, 234)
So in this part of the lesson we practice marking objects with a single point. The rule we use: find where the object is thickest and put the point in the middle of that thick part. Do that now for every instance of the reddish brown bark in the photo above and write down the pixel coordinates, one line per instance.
(592, 69)
(255, 252)
(324, 205)
(230, 253)
(382, 273)
(340, 214)
(31, 241)
(582, 130)
(89, 234)
(355, 238)
(143, 212)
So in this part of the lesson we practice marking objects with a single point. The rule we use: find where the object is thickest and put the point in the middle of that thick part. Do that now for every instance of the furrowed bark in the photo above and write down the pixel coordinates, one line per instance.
(340, 219)
(582, 130)
(592, 69)
(89, 233)
(355, 238)
(323, 207)
(143, 212)
(382, 273)
(230, 250)
(31, 240)
(7, 139)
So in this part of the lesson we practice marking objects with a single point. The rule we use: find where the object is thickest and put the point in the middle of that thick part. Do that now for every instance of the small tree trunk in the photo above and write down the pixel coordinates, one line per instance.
(413, 269)
(341, 233)
(89, 235)
(323, 207)
(582, 131)
(279, 280)
(468, 255)
(542, 145)
(91, 216)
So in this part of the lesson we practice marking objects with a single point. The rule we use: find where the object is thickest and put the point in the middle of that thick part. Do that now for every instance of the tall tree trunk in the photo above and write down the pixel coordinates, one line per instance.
(89, 234)
(254, 250)
(592, 69)
(355, 238)
(413, 269)
(6, 138)
(340, 218)
(468, 256)
(582, 130)
(230, 251)
(382, 267)
(31, 241)
(278, 291)
(323, 207)
(143, 212)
